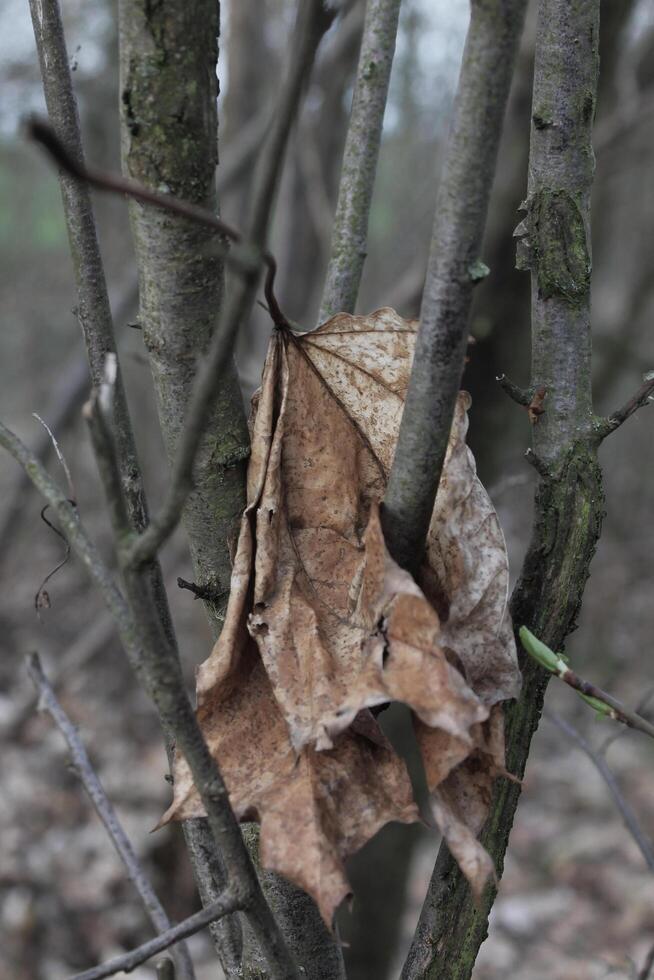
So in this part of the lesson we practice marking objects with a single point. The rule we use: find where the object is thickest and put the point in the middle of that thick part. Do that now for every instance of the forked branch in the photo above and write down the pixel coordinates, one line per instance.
(643, 397)
(624, 807)
(195, 923)
(135, 872)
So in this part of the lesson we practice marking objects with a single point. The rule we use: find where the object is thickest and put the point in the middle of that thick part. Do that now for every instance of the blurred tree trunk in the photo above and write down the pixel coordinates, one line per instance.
(251, 65)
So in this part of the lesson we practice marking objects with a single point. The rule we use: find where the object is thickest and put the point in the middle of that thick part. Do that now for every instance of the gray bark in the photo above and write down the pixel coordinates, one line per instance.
(452, 272)
(569, 500)
(169, 133)
(169, 141)
(350, 230)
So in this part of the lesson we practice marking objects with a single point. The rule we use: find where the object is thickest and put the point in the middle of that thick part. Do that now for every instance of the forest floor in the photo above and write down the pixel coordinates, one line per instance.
(576, 901)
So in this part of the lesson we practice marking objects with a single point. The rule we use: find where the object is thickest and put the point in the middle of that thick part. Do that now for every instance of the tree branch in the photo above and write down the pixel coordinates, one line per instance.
(166, 686)
(521, 396)
(643, 397)
(135, 872)
(350, 228)
(154, 660)
(313, 21)
(459, 221)
(103, 180)
(95, 314)
(93, 307)
(569, 499)
(601, 701)
(195, 923)
(626, 812)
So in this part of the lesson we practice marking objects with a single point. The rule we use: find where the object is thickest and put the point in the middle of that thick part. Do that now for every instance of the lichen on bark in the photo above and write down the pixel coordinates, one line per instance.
(169, 133)
(559, 246)
(569, 502)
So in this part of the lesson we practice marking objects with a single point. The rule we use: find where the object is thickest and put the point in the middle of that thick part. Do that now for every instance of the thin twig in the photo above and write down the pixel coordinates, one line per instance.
(41, 596)
(615, 735)
(643, 397)
(460, 218)
(71, 388)
(598, 760)
(149, 650)
(226, 904)
(520, 395)
(600, 700)
(92, 303)
(350, 228)
(60, 455)
(104, 180)
(162, 671)
(135, 872)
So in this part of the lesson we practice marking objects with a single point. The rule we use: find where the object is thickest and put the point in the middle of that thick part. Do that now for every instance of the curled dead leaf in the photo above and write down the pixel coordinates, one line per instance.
(322, 625)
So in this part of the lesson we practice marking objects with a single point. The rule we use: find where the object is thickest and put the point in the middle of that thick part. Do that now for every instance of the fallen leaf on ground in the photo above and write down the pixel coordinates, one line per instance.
(339, 628)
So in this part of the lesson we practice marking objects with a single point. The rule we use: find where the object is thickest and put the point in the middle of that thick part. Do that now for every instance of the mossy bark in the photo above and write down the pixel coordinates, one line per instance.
(169, 134)
(569, 499)
(168, 93)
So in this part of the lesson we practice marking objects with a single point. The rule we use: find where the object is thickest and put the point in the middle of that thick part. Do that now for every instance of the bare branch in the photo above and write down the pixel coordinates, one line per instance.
(237, 156)
(154, 659)
(195, 923)
(95, 318)
(614, 736)
(165, 684)
(71, 388)
(569, 500)
(93, 307)
(59, 454)
(643, 397)
(104, 180)
(522, 396)
(459, 221)
(135, 872)
(313, 21)
(314, 18)
(350, 228)
(598, 760)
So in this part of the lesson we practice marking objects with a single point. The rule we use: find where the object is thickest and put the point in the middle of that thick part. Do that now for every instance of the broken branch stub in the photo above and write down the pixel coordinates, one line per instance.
(322, 625)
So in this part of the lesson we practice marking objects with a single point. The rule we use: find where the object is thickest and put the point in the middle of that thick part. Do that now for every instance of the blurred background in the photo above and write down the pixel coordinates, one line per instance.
(577, 900)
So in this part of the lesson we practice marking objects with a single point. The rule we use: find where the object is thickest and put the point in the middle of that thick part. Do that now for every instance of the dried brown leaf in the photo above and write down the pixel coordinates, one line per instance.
(340, 628)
